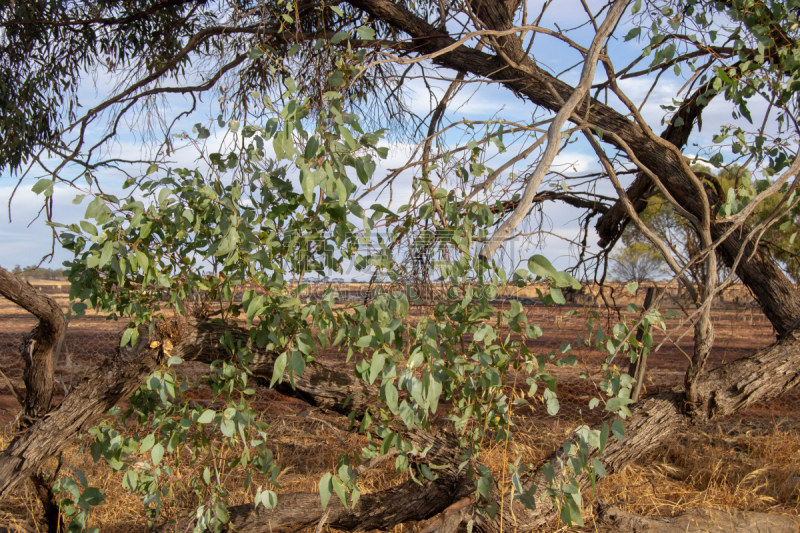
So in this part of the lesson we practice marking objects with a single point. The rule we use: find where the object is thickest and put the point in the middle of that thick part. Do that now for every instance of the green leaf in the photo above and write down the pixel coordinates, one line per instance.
(632, 287)
(157, 453)
(309, 181)
(336, 79)
(105, 255)
(339, 37)
(552, 405)
(43, 185)
(143, 260)
(88, 227)
(401, 463)
(618, 430)
(147, 443)
(407, 414)
(297, 363)
(614, 404)
(93, 496)
(558, 296)
(485, 486)
(325, 489)
(365, 168)
(269, 499)
(280, 366)
(338, 488)
(126, 337)
(391, 397)
(603, 437)
(312, 146)
(366, 33)
(599, 468)
(540, 266)
(348, 138)
(634, 33)
(376, 366)
(207, 417)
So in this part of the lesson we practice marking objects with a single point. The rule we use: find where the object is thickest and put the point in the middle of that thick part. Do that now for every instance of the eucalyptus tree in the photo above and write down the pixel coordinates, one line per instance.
(309, 96)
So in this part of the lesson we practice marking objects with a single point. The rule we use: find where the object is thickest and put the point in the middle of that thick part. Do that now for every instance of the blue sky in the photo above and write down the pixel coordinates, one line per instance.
(27, 239)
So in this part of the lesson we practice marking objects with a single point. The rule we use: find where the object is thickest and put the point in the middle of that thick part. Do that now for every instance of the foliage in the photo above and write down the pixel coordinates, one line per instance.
(763, 57)
(42, 65)
(77, 503)
(138, 256)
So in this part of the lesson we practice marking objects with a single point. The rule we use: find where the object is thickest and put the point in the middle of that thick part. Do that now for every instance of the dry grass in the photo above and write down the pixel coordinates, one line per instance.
(743, 467)
(740, 466)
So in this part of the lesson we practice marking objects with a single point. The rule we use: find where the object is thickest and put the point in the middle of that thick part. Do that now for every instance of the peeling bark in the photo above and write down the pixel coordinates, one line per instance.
(37, 347)
(116, 379)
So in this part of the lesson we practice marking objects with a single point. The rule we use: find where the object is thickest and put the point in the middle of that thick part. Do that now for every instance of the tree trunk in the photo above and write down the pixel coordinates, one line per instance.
(116, 379)
(37, 348)
(37, 352)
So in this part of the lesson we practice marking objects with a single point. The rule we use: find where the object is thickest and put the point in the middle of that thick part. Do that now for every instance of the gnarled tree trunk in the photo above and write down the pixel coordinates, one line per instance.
(38, 345)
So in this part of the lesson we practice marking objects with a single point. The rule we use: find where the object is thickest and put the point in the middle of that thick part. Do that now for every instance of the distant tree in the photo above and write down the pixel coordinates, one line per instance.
(637, 262)
(639, 255)
(34, 271)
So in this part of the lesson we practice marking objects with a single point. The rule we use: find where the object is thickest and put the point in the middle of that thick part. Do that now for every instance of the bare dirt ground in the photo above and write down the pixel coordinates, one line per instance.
(750, 462)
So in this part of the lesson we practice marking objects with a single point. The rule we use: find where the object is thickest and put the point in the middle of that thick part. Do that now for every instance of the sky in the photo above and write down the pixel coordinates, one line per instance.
(26, 238)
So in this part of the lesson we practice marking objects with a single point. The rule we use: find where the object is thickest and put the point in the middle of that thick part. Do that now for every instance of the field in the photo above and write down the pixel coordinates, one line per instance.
(750, 462)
